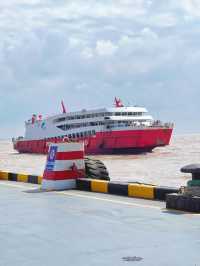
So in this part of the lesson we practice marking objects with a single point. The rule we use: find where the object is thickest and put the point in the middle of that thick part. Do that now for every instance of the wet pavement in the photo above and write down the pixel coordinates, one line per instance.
(79, 228)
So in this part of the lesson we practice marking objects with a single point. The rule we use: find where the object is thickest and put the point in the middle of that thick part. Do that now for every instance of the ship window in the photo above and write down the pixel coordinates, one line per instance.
(93, 132)
(73, 135)
(81, 134)
(117, 113)
(66, 127)
(59, 120)
(85, 133)
(77, 135)
(69, 136)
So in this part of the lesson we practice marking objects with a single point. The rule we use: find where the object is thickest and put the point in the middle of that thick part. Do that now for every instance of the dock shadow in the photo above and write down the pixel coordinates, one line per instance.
(37, 190)
(174, 212)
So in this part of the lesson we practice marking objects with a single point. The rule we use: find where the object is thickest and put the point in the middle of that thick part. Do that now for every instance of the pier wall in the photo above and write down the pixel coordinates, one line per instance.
(135, 190)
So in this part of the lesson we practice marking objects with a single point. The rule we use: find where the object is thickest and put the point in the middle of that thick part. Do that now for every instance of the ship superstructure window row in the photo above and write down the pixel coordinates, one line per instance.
(75, 135)
(78, 125)
(101, 123)
(98, 115)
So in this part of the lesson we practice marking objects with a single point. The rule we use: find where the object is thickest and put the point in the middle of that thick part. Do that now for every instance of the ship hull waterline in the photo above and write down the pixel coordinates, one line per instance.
(113, 142)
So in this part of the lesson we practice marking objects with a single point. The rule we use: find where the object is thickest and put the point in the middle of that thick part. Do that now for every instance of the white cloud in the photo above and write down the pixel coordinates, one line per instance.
(49, 48)
(163, 20)
(87, 53)
(191, 6)
(105, 48)
(75, 42)
(149, 34)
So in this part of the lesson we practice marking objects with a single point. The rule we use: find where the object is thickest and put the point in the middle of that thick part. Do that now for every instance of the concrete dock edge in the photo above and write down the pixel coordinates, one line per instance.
(33, 179)
(135, 190)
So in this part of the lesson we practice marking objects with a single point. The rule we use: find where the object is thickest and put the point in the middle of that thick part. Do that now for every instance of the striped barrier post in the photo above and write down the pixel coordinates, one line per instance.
(65, 163)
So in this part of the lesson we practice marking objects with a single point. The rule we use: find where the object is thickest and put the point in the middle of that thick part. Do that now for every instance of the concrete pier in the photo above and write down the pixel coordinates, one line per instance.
(79, 228)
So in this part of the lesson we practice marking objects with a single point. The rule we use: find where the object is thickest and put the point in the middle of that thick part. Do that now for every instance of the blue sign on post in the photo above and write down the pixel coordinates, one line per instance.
(51, 158)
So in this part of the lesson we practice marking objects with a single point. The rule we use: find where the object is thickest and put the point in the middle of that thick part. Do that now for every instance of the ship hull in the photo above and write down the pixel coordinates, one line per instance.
(113, 142)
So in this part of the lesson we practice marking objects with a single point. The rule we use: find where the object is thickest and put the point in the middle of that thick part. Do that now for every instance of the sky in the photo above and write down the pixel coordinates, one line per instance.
(86, 52)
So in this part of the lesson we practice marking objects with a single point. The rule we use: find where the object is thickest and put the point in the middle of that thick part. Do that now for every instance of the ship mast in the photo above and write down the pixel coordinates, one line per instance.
(63, 107)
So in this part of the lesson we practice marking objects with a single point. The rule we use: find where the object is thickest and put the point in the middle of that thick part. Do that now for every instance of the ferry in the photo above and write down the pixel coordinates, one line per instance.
(116, 130)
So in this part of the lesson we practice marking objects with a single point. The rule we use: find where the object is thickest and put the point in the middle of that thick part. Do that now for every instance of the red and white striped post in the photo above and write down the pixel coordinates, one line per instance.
(65, 163)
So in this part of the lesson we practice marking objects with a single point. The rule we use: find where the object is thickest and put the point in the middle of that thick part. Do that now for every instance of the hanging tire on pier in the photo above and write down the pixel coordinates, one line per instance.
(183, 202)
(95, 169)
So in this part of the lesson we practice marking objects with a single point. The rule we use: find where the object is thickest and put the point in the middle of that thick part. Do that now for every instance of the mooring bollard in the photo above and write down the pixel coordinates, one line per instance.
(65, 163)
(193, 186)
(193, 169)
(189, 198)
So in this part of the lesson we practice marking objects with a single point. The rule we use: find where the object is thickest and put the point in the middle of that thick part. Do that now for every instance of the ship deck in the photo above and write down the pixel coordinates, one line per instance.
(80, 228)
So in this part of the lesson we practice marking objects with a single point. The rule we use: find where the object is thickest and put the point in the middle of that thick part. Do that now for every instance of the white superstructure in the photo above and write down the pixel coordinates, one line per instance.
(79, 124)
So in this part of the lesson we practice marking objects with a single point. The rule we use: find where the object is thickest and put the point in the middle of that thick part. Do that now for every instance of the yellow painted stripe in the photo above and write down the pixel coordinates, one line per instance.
(141, 191)
(3, 175)
(99, 186)
(39, 179)
(22, 178)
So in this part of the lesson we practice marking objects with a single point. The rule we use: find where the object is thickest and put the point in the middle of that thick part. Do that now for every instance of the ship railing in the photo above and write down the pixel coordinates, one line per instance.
(18, 138)
(154, 125)
(127, 126)
(162, 125)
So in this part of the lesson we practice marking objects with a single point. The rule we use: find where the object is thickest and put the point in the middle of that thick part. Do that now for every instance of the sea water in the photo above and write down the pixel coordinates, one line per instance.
(161, 167)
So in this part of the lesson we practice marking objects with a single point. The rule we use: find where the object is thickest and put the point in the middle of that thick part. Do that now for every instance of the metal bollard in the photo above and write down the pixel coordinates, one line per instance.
(193, 169)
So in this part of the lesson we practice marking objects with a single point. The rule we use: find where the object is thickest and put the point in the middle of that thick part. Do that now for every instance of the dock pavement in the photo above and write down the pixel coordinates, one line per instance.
(79, 228)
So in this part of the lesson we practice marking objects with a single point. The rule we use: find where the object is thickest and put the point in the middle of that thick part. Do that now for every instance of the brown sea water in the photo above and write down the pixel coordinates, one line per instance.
(162, 166)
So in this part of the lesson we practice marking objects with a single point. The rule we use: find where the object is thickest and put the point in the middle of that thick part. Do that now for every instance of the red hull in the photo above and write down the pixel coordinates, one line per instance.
(129, 141)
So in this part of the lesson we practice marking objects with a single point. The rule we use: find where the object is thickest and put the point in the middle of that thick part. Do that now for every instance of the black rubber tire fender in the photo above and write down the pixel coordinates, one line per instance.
(96, 169)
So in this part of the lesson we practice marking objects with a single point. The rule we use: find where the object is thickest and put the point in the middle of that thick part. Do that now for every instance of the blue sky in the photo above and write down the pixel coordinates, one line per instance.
(86, 52)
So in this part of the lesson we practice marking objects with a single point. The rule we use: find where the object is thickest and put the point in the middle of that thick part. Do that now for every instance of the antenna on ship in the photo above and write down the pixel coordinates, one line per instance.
(118, 102)
(63, 107)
